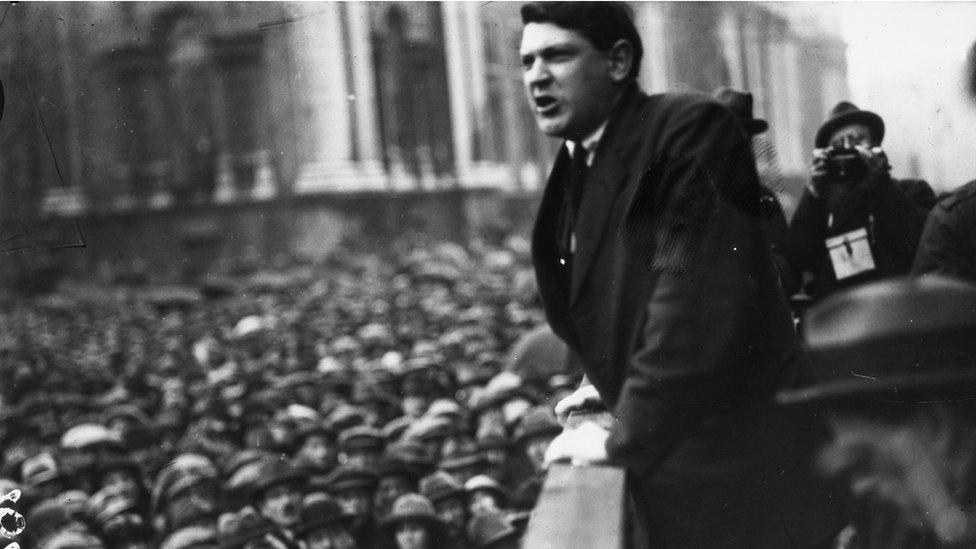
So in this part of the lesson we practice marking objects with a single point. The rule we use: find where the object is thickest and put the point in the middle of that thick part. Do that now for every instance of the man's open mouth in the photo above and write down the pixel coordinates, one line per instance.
(545, 105)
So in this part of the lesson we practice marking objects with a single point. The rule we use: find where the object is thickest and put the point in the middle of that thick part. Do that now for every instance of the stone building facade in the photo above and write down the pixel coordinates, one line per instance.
(249, 125)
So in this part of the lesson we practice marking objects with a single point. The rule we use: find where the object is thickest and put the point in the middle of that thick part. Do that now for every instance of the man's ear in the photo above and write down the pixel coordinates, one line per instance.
(621, 58)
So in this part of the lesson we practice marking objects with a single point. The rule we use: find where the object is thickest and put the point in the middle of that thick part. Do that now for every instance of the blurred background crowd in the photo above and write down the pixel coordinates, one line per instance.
(389, 395)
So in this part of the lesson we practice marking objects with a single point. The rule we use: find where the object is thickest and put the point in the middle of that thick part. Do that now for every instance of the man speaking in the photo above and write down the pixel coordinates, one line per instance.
(653, 268)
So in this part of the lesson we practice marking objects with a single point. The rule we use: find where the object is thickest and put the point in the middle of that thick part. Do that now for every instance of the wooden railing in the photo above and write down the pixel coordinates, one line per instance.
(580, 507)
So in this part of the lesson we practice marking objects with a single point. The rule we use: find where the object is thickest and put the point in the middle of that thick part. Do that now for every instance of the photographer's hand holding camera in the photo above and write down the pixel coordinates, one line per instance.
(854, 223)
(846, 171)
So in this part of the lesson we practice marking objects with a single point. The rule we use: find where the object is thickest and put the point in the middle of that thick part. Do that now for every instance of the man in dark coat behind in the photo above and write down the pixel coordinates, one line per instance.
(653, 268)
(948, 243)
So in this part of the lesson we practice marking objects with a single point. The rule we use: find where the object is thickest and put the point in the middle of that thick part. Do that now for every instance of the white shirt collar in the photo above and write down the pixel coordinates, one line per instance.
(590, 142)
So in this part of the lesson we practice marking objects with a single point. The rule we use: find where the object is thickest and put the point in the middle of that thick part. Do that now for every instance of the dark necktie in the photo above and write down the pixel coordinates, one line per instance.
(566, 225)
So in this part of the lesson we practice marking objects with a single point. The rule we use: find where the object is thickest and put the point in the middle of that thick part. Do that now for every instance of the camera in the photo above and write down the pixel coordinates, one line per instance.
(844, 164)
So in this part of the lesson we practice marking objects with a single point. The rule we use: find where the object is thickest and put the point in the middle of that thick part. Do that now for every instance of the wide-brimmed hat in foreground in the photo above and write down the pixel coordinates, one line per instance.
(895, 341)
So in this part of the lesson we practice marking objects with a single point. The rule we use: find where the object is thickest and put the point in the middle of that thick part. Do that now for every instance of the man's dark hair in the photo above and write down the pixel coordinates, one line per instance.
(602, 23)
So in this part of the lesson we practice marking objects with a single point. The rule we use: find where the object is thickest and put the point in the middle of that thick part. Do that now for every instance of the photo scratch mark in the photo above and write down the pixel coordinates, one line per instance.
(57, 168)
(275, 24)
(154, 471)
(4, 17)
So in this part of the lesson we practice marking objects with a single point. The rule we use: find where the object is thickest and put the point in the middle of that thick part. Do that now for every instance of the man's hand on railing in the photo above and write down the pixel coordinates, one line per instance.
(583, 445)
(584, 397)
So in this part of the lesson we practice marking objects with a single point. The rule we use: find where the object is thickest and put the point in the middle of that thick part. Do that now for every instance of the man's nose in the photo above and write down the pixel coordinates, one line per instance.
(538, 74)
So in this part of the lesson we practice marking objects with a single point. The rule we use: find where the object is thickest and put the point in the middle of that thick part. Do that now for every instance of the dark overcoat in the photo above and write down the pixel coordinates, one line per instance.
(677, 315)
(948, 244)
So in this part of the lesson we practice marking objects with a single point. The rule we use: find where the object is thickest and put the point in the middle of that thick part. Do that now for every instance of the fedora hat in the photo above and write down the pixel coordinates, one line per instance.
(740, 103)
(319, 513)
(276, 471)
(441, 485)
(351, 477)
(537, 422)
(895, 341)
(845, 113)
(236, 530)
(411, 507)
(487, 484)
(488, 528)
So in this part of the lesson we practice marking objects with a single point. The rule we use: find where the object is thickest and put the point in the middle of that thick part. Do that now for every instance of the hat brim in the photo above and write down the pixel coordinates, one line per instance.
(358, 484)
(363, 444)
(446, 494)
(906, 389)
(45, 478)
(509, 533)
(296, 478)
(463, 461)
(755, 126)
(242, 539)
(503, 397)
(307, 527)
(868, 118)
(391, 521)
(496, 491)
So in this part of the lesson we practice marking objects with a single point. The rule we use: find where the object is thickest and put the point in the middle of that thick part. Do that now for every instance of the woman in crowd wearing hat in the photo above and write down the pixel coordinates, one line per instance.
(324, 525)
(277, 493)
(486, 494)
(492, 530)
(361, 446)
(413, 524)
(353, 489)
(118, 520)
(190, 537)
(395, 478)
(246, 529)
(317, 448)
(465, 460)
(185, 494)
(41, 477)
(447, 495)
(535, 432)
(126, 477)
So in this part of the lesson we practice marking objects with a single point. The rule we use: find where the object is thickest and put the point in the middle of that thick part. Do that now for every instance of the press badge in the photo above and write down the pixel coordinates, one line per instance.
(850, 253)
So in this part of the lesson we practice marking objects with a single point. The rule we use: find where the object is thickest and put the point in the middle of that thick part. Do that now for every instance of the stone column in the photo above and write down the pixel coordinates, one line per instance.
(730, 33)
(651, 20)
(755, 80)
(322, 47)
(364, 99)
(458, 82)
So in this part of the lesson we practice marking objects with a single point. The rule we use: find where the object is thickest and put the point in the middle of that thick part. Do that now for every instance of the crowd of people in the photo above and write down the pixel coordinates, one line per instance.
(370, 399)
(403, 394)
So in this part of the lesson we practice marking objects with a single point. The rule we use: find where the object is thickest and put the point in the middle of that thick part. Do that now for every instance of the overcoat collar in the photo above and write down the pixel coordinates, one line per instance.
(607, 176)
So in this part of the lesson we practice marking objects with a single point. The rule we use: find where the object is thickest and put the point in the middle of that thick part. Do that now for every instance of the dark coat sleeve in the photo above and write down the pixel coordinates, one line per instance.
(698, 213)
(891, 218)
(803, 250)
(948, 243)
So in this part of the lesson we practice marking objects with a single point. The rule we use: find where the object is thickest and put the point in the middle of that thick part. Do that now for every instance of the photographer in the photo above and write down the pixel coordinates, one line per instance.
(854, 223)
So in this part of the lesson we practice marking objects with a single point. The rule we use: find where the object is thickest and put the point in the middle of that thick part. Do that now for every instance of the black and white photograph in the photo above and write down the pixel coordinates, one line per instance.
(487, 275)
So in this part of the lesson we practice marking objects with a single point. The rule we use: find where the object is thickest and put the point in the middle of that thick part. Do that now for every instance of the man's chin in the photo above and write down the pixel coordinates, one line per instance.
(551, 126)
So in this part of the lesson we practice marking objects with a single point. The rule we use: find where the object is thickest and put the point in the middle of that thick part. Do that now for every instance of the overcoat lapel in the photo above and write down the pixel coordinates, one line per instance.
(544, 250)
(611, 168)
